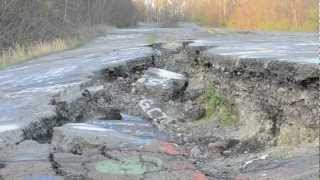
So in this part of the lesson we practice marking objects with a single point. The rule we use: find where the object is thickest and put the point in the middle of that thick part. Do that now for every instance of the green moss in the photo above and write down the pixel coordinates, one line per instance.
(218, 108)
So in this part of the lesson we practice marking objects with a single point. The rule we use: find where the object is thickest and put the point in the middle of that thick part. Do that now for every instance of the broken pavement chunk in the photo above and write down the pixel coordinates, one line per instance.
(79, 137)
(161, 83)
(27, 160)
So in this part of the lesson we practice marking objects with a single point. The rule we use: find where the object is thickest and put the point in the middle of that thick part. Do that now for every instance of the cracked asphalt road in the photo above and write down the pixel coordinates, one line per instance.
(26, 90)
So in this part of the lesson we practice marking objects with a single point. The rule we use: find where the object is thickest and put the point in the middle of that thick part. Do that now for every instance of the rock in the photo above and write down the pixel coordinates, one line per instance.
(170, 112)
(161, 83)
(183, 112)
(198, 152)
(193, 111)
(81, 137)
(25, 151)
(191, 94)
(89, 91)
(217, 147)
(27, 160)
(89, 107)
(113, 73)
(227, 153)
(108, 114)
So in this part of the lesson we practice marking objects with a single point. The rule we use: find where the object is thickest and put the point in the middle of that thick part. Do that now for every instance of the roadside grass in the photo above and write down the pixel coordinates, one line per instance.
(23, 53)
(217, 108)
(20, 53)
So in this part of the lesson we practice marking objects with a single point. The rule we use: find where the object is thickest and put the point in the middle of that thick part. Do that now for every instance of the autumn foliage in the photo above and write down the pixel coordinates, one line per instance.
(283, 15)
(295, 15)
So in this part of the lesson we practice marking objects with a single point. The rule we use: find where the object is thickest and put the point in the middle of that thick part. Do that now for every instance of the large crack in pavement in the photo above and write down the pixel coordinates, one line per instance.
(92, 121)
(140, 141)
(145, 118)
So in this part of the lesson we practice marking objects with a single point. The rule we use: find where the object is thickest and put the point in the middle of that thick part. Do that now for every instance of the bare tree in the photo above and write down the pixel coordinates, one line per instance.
(26, 21)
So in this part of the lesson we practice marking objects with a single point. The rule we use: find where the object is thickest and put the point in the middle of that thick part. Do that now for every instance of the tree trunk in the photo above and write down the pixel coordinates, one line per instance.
(65, 10)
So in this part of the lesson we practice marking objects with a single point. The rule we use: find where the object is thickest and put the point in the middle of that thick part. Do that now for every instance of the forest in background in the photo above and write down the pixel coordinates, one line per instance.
(270, 15)
(31, 28)
(26, 21)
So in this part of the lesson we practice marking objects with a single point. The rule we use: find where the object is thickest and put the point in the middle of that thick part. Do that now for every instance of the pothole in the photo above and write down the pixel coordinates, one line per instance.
(167, 98)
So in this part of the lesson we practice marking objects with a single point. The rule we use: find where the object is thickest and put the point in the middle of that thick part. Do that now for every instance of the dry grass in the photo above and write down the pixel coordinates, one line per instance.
(23, 53)
(20, 54)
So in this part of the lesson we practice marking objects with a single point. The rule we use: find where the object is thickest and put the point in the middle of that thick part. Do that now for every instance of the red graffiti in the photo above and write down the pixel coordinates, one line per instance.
(241, 178)
(169, 148)
(199, 176)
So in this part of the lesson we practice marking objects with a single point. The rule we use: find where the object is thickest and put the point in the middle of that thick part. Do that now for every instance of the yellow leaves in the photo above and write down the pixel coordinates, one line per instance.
(284, 15)
(280, 15)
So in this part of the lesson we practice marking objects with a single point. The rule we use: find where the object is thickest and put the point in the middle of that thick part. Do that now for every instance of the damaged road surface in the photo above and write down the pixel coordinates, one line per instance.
(190, 105)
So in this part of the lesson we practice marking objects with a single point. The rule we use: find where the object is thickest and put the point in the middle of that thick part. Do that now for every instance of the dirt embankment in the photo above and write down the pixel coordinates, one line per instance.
(277, 102)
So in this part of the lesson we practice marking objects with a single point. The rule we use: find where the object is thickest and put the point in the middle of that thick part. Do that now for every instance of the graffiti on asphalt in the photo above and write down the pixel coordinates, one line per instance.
(153, 112)
(129, 166)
